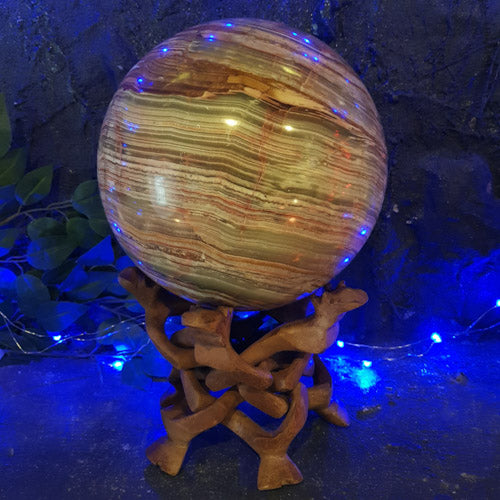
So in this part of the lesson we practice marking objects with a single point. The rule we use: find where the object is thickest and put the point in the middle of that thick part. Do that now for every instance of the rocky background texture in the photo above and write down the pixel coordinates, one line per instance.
(432, 67)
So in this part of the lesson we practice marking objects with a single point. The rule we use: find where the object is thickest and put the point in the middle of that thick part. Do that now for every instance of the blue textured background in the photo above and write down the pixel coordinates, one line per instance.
(433, 261)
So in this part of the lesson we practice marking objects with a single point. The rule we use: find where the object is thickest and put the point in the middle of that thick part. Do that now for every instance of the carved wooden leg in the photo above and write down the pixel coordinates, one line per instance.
(286, 379)
(168, 452)
(210, 334)
(175, 393)
(197, 397)
(320, 395)
(228, 361)
(273, 405)
(275, 469)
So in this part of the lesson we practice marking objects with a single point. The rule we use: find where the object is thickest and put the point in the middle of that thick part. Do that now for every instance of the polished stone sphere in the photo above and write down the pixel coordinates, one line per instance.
(243, 163)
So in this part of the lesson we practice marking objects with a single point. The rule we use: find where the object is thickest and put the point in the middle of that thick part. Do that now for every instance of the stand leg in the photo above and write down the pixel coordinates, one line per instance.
(275, 469)
(320, 396)
(267, 375)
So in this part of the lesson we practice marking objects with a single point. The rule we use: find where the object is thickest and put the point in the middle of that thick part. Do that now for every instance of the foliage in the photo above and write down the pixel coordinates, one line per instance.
(58, 271)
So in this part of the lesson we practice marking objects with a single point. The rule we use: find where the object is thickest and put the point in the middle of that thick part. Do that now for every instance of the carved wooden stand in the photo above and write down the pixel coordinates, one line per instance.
(267, 375)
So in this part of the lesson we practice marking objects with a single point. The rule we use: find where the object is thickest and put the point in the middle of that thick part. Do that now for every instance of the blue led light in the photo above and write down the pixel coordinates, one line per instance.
(367, 363)
(117, 365)
(57, 338)
(211, 38)
(347, 80)
(165, 49)
(346, 260)
(305, 55)
(140, 79)
(294, 34)
(340, 343)
(115, 225)
(229, 24)
(246, 314)
(363, 231)
(436, 338)
(497, 304)
(356, 104)
(139, 262)
(315, 58)
(310, 309)
(124, 145)
(307, 40)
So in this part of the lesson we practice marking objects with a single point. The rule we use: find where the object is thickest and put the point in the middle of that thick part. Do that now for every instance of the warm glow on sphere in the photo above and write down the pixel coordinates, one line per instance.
(242, 163)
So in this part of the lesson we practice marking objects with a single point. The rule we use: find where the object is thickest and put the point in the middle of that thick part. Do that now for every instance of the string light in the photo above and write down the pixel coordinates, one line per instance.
(126, 354)
(85, 338)
(436, 338)
(117, 365)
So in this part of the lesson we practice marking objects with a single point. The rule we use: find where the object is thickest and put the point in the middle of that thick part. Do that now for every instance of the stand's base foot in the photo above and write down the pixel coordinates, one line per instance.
(167, 455)
(277, 471)
(335, 414)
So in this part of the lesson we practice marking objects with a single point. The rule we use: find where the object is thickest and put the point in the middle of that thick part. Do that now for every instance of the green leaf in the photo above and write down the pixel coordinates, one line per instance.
(106, 331)
(6, 339)
(12, 167)
(7, 195)
(5, 130)
(7, 239)
(58, 274)
(80, 231)
(35, 185)
(45, 226)
(7, 283)
(100, 226)
(56, 316)
(100, 255)
(75, 279)
(123, 262)
(49, 252)
(8, 208)
(125, 336)
(9, 308)
(116, 289)
(87, 201)
(31, 292)
(96, 283)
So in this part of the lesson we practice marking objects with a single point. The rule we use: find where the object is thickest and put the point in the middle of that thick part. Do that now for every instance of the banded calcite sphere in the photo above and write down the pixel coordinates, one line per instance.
(242, 163)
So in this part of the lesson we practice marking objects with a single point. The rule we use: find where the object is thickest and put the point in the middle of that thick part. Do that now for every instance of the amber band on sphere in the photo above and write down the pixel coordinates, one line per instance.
(242, 163)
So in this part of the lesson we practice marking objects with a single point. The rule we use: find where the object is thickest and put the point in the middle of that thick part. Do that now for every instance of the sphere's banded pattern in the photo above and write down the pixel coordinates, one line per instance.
(242, 163)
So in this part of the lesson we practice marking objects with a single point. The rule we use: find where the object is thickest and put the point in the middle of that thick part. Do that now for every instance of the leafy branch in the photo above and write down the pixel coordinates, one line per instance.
(58, 270)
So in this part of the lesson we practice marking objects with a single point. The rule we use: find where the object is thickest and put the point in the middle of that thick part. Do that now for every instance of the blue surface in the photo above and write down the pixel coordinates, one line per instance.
(421, 428)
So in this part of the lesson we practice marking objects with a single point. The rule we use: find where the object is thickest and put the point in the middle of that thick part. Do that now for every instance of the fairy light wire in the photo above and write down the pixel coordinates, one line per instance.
(139, 320)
